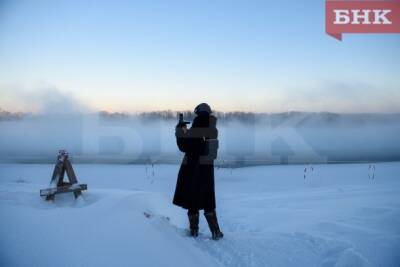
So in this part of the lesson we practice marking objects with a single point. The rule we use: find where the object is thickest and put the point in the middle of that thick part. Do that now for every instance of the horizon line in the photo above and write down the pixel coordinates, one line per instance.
(124, 112)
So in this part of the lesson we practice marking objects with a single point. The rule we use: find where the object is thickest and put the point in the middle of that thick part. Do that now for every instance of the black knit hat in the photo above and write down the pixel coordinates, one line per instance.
(202, 108)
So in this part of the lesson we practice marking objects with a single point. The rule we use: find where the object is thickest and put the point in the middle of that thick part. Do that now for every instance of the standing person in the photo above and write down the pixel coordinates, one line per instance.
(195, 185)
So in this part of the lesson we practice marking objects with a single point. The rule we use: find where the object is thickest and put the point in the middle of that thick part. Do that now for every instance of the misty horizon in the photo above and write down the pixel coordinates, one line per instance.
(172, 113)
(245, 138)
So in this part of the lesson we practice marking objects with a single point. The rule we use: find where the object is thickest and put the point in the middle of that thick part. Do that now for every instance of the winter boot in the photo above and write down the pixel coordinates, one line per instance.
(194, 224)
(212, 221)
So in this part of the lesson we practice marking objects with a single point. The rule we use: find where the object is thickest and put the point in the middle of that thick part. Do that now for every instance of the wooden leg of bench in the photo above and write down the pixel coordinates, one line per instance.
(77, 193)
(50, 197)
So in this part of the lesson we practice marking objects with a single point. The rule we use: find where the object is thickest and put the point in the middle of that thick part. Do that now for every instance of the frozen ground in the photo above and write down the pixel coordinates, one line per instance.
(271, 216)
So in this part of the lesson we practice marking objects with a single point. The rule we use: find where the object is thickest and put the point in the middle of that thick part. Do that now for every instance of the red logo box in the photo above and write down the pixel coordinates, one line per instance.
(362, 17)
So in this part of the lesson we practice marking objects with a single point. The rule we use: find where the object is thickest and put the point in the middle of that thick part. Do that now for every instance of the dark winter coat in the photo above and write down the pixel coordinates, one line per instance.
(195, 184)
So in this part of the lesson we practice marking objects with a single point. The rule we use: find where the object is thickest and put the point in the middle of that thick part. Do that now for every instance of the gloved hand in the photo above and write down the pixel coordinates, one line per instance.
(180, 131)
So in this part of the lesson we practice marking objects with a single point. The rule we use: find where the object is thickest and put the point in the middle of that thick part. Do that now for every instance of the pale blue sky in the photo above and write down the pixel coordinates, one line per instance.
(152, 55)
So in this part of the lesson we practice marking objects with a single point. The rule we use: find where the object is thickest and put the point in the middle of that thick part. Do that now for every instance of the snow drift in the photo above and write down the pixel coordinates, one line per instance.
(338, 215)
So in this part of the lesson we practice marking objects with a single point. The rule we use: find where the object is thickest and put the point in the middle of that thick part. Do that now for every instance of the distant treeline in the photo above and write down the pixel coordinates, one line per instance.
(5, 115)
(292, 118)
(188, 115)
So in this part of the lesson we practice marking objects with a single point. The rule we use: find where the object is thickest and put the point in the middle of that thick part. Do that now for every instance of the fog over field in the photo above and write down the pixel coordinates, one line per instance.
(245, 138)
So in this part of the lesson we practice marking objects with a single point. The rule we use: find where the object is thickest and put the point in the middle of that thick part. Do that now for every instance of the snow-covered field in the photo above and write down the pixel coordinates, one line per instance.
(270, 215)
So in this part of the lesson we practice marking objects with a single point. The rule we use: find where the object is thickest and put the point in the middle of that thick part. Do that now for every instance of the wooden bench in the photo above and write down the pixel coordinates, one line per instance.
(57, 184)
